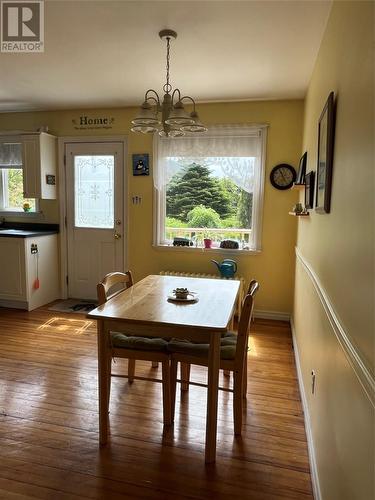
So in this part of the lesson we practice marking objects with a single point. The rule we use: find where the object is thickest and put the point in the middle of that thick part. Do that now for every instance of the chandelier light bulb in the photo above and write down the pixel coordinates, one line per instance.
(175, 132)
(178, 116)
(196, 126)
(144, 129)
(146, 115)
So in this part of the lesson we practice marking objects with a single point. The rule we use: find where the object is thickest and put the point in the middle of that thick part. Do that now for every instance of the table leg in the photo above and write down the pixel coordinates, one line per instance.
(212, 396)
(103, 375)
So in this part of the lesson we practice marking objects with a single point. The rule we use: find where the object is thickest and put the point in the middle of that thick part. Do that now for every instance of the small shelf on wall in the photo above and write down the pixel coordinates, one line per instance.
(298, 187)
(303, 214)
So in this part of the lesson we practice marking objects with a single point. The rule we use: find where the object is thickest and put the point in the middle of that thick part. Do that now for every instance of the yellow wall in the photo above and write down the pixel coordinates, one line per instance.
(339, 249)
(274, 267)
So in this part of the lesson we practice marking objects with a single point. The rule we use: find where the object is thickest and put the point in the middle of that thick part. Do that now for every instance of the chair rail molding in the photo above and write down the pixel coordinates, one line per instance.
(353, 354)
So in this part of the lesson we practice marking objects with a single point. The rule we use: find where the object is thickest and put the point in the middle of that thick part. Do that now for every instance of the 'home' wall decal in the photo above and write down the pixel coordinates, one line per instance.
(85, 122)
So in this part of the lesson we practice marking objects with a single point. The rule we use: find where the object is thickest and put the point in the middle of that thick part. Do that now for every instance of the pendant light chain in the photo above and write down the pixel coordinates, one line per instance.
(168, 87)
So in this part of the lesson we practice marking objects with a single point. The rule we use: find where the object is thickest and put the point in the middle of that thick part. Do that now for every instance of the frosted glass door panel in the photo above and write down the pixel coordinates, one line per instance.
(94, 191)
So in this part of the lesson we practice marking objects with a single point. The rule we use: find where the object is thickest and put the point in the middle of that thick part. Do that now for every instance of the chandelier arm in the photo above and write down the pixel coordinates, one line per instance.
(176, 91)
(190, 98)
(156, 99)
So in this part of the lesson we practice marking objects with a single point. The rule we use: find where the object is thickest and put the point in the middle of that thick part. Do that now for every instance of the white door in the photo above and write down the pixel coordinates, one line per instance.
(95, 197)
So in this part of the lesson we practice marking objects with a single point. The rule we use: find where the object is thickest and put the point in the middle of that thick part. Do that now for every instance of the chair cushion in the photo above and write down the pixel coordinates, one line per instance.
(138, 343)
(228, 343)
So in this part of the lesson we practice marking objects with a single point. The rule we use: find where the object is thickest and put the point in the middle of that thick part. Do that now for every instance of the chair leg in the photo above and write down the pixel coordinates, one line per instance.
(238, 401)
(245, 379)
(185, 376)
(131, 370)
(166, 393)
(109, 377)
(154, 364)
(173, 368)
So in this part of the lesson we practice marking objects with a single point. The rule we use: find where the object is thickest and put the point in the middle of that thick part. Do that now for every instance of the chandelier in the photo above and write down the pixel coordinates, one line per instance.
(167, 117)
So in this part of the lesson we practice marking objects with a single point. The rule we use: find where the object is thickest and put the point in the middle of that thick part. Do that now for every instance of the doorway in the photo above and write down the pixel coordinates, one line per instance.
(94, 214)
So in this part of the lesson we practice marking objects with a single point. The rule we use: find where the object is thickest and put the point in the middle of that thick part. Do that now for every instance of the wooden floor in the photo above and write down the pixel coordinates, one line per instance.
(49, 422)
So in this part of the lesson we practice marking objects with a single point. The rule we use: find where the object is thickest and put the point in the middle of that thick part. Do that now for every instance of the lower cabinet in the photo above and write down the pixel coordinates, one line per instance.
(28, 280)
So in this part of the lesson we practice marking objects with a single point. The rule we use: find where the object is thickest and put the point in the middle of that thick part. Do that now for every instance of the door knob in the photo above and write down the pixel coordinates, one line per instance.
(117, 236)
(118, 222)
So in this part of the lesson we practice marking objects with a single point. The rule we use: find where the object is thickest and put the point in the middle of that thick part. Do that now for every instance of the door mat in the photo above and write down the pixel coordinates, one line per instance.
(74, 306)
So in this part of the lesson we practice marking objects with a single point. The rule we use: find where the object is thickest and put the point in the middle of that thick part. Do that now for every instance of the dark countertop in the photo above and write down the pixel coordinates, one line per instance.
(21, 233)
(26, 230)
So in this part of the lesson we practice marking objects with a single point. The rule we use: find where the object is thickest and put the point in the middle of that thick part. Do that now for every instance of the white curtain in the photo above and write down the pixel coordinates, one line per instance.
(10, 155)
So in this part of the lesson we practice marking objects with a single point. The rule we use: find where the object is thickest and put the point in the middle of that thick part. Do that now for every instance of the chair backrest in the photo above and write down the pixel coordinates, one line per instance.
(244, 323)
(253, 287)
(122, 280)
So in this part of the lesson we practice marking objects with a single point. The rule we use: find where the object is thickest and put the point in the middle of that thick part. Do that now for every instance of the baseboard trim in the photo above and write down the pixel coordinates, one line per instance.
(354, 356)
(14, 304)
(276, 315)
(306, 413)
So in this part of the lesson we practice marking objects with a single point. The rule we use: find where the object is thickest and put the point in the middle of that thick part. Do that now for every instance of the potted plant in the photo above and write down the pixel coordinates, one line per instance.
(207, 242)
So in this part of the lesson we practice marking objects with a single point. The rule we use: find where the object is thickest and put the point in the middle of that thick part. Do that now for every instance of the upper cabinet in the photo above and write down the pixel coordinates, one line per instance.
(39, 165)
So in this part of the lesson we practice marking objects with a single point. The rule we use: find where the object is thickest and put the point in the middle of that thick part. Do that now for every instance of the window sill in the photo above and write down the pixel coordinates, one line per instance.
(229, 251)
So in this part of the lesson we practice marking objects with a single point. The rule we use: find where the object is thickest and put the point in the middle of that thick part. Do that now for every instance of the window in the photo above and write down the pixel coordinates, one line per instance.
(11, 180)
(209, 188)
(94, 202)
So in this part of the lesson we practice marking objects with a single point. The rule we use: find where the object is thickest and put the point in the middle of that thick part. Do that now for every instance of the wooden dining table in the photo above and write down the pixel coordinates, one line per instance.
(145, 309)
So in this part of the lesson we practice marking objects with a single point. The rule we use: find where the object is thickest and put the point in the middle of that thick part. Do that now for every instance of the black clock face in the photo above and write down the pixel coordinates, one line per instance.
(283, 176)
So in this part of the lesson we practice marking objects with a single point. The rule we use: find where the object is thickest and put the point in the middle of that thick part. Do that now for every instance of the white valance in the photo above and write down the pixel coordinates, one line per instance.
(10, 155)
(235, 152)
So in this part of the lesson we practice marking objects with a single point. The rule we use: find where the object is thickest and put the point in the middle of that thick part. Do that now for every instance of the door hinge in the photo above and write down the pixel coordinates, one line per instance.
(65, 160)
(67, 280)
(66, 221)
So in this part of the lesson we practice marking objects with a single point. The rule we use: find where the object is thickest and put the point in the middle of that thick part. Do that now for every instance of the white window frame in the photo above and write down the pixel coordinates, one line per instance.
(257, 215)
(16, 212)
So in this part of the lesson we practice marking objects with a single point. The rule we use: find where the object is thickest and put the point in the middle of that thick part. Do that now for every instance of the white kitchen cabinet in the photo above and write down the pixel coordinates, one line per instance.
(39, 165)
(19, 269)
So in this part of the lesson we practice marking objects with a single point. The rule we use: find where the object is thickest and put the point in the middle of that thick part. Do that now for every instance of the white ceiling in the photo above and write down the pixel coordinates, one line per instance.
(107, 53)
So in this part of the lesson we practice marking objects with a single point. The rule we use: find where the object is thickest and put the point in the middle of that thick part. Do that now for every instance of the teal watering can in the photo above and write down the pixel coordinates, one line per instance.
(227, 268)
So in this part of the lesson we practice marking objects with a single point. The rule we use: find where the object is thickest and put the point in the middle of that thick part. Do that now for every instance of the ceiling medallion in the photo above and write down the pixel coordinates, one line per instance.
(167, 117)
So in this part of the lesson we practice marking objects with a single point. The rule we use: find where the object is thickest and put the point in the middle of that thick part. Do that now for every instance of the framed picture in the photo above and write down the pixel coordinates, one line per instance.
(302, 169)
(325, 157)
(309, 190)
(141, 164)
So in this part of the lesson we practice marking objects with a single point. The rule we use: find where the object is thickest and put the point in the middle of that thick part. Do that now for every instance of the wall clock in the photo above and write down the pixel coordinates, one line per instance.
(283, 176)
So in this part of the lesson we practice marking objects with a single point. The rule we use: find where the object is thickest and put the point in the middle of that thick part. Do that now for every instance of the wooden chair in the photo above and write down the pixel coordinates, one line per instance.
(133, 348)
(252, 290)
(233, 354)
(185, 368)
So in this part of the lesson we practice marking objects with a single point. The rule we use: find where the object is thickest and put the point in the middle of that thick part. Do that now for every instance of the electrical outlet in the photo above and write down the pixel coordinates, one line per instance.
(313, 381)
(137, 200)
(34, 248)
